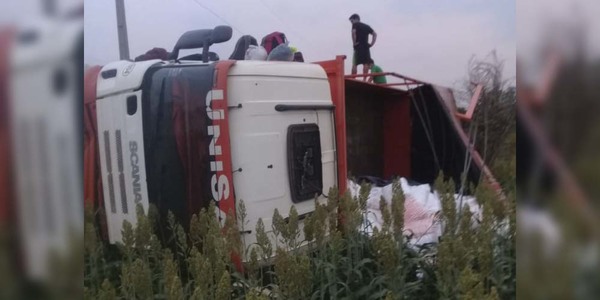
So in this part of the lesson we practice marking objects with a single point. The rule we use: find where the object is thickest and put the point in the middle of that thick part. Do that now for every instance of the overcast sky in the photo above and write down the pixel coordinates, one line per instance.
(430, 40)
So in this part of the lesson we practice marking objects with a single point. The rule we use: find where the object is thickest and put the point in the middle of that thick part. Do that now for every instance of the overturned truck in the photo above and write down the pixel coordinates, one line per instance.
(181, 134)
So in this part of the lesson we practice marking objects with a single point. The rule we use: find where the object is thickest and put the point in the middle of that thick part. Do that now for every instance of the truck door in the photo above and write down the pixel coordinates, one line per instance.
(282, 139)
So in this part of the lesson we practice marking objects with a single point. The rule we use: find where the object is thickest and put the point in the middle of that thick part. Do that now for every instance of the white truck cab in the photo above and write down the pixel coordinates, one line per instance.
(179, 135)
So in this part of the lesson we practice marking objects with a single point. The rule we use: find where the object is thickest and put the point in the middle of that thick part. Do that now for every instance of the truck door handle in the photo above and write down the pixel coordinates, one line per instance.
(300, 217)
(288, 107)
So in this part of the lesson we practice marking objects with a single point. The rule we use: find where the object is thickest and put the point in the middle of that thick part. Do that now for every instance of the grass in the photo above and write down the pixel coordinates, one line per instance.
(339, 260)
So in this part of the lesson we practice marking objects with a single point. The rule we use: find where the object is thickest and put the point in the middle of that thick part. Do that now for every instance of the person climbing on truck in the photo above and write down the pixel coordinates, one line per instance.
(360, 42)
(376, 69)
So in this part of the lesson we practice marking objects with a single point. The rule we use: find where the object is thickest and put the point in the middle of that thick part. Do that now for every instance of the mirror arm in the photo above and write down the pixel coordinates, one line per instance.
(205, 55)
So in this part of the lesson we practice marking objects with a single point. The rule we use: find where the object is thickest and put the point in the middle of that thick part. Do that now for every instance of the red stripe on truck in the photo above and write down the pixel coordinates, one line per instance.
(220, 147)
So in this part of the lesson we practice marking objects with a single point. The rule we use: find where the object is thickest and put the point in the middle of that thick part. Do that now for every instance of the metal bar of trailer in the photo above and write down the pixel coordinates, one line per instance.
(474, 100)
(408, 78)
(385, 74)
(369, 75)
(399, 83)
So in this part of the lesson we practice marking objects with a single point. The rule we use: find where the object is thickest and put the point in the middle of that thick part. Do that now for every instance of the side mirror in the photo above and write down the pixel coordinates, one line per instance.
(221, 34)
(193, 39)
(202, 38)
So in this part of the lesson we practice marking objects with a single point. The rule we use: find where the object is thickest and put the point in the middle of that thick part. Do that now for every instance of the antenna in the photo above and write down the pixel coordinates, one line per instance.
(122, 31)
(49, 7)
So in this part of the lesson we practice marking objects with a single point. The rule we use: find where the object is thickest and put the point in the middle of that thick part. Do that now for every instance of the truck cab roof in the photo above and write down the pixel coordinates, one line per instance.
(122, 76)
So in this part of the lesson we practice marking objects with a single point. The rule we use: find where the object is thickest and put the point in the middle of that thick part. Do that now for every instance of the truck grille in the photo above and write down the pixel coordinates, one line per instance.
(121, 175)
(111, 188)
(45, 170)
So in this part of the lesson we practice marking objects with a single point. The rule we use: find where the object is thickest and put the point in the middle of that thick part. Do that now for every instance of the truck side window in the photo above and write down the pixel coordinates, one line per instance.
(304, 161)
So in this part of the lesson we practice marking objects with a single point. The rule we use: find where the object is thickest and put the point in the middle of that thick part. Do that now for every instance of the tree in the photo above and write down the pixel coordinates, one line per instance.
(493, 125)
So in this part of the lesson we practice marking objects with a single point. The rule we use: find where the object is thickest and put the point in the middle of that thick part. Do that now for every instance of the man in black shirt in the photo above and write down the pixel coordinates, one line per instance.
(360, 41)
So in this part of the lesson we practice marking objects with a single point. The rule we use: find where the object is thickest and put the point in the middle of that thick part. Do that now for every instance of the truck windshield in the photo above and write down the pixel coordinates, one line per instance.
(175, 138)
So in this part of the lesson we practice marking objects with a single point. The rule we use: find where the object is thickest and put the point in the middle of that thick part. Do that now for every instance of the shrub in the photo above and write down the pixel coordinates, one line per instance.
(337, 259)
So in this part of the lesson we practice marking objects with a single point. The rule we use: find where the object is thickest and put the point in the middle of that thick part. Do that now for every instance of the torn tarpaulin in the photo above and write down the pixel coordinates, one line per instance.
(421, 205)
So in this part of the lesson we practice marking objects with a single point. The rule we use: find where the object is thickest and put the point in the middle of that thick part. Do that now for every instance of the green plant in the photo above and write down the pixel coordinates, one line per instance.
(337, 258)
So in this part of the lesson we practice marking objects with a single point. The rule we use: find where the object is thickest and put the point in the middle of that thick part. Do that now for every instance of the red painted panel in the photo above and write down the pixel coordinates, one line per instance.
(92, 183)
(224, 191)
(5, 168)
(92, 179)
(396, 137)
(335, 75)
(227, 203)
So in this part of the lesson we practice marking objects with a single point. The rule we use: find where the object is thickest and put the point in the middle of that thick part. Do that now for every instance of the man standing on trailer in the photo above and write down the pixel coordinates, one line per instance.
(360, 41)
